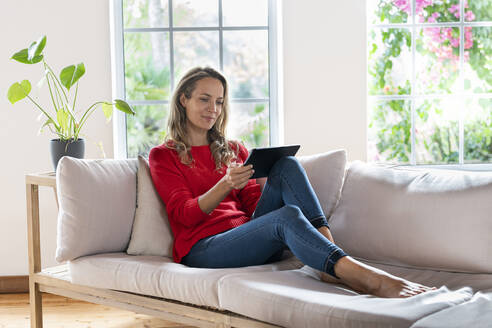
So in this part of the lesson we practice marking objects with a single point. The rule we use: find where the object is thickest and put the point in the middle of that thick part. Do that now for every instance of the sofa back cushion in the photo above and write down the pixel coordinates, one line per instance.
(151, 232)
(436, 219)
(325, 172)
(96, 206)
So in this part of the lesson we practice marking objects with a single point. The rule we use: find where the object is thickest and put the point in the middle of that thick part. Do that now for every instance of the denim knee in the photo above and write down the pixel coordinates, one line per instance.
(294, 216)
(286, 163)
(292, 211)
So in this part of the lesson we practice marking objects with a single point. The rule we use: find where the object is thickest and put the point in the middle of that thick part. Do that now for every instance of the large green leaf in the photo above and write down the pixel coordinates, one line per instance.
(123, 106)
(71, 74)
(36, 48)
(18, 91)
(22, 56)
(107, 109)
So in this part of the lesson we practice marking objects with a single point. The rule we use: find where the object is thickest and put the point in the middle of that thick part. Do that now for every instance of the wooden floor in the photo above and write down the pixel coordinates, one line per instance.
(60, 312)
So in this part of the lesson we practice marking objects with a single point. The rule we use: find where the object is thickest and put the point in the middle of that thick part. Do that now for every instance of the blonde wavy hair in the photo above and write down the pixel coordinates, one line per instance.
(176, 137)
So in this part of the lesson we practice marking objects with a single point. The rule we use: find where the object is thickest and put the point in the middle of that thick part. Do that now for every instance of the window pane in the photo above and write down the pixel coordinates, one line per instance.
(249, 122)
(389, 63)
(478, 59)
(437, 60)
(246, 63)
(437, 131)
(245, 12)
(388, 11)
(478, 131)
(438, 11)
(389, 137)
(197, 13)
(195, 49)
(478, 10)
(147, 66)
(145, 13)
(146, 129)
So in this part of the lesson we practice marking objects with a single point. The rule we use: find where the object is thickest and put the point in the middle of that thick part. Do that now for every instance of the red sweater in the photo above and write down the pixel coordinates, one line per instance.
(180, 186)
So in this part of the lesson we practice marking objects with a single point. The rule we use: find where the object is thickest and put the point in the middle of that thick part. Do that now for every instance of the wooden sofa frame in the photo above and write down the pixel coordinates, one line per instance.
(56, 280)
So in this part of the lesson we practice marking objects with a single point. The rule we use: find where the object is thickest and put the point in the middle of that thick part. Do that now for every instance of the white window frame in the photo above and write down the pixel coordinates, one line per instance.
(459, 96)
(275, 100)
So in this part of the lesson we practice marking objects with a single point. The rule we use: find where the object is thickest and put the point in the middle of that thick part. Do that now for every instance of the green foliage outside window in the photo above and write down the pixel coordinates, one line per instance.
(437, 72)
(256, 132)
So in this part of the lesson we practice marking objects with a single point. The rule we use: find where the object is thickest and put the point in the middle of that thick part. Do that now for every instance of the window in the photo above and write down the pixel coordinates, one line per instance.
(430, 81)
(157, 41)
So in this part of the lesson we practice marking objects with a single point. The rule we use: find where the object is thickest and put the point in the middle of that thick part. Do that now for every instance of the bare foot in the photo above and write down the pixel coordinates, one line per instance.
(366, 279)
(392, 286)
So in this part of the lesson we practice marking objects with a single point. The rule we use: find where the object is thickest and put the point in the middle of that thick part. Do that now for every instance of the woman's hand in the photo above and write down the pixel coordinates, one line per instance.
(237, 176)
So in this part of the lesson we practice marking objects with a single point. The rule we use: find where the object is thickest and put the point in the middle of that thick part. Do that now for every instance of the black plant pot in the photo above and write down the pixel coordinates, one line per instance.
(66, 148)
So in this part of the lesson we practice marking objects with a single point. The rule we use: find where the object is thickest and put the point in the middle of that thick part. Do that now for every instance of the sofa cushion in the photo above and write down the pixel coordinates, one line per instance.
(160, 276)
(297, 298)
(436, 219)
(96, 206)
(325, 172)
(473, 313)
(151, 232)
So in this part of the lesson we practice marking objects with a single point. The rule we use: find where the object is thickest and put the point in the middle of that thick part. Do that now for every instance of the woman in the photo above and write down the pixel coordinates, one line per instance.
(219, 216)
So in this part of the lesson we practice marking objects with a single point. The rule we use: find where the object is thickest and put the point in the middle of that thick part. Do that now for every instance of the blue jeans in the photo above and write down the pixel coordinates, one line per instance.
(288, 214)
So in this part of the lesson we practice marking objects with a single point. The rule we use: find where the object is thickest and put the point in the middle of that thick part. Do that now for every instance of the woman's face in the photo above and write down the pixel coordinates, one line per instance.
(204, 106)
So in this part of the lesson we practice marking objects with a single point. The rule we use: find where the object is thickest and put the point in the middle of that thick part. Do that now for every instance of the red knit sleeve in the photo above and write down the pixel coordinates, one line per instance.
(251, 193)
(170, 184)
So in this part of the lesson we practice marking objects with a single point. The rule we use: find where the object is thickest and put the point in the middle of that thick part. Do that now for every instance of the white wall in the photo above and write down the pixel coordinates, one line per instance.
(325, 75)
(77, 31)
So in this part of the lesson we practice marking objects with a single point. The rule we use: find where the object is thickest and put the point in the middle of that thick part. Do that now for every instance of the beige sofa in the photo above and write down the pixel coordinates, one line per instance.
(429, 226)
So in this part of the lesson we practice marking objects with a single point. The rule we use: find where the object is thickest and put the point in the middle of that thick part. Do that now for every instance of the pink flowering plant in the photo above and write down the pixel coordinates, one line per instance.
(437, 72)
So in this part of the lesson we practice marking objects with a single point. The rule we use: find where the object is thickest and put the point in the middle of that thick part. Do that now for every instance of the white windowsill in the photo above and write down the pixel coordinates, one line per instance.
(460, 167)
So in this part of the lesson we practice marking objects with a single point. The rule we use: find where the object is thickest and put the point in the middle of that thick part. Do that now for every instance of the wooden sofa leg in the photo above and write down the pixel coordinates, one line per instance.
(35, 301)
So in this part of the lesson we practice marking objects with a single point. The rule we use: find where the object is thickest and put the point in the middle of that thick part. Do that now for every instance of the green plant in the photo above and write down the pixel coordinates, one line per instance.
(65, 123)
(257, 134)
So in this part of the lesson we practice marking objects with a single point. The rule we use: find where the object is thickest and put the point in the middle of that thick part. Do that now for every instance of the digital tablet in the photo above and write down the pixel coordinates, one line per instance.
(263, 159)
